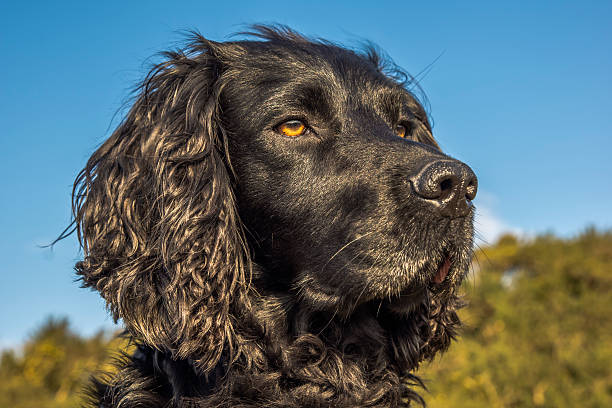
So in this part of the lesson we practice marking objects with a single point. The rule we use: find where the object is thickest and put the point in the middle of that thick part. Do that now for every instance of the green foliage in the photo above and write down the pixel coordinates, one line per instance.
(538, 329)
(50, 369)
(538, 334)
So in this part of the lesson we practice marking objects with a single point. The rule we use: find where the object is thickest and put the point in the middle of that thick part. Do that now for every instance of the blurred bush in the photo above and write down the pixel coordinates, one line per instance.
(537, 329)
(50, 369)
(537, 333)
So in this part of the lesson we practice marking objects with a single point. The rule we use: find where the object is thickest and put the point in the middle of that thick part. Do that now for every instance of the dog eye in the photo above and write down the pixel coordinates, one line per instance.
(292, 128)
(401, 131)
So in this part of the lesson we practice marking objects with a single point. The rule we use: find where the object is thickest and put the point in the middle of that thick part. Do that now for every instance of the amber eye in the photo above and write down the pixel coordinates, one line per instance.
(401, 131)
(292, 128)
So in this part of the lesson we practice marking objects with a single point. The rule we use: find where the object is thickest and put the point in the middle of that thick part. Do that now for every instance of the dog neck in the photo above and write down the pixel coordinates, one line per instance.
(285, 354)
(365, 359)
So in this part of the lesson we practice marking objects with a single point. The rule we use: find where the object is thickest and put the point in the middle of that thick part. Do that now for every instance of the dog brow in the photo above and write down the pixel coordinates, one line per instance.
(316, 100)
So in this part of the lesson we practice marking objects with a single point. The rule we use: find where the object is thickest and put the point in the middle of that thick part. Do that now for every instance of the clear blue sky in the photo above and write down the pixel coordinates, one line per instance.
(521, 92)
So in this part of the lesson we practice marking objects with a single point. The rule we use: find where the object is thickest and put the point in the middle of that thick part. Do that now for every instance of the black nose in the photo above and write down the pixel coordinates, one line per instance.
(447, 184)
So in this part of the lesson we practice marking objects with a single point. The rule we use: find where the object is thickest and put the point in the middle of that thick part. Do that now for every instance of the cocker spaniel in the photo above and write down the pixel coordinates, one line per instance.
(276, 226)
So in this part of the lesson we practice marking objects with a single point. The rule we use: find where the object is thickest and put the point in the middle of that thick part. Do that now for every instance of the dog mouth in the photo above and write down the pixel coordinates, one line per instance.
(412, 296)
(443, 269)
(434, 277)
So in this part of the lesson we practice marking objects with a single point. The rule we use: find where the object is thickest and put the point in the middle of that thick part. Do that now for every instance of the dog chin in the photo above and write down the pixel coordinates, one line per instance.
(438, 279)
(407, 301)
(434, 277)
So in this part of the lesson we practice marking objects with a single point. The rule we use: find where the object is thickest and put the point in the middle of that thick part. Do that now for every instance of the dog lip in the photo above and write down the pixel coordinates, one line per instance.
(443, 270)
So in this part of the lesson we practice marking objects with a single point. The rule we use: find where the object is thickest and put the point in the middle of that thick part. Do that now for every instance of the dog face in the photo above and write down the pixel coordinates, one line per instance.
(280, 168)
(329, 153)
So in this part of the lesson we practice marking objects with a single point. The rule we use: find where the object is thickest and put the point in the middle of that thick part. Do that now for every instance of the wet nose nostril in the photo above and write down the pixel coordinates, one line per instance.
(446, 188)
(447, 185)
(471, 189)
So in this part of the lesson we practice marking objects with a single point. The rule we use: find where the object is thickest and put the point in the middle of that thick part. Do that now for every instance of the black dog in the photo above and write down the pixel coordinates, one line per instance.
(277, 227)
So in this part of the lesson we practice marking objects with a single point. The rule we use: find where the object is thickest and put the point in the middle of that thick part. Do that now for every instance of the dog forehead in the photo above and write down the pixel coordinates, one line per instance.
(286, 62)
(268, 81)
(281, 73)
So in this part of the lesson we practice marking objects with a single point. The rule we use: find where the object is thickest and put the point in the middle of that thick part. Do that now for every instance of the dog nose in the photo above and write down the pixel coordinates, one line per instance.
(447, 184)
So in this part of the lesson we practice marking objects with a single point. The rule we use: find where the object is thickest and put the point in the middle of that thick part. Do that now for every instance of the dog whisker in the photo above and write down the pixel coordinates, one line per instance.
(344, 247)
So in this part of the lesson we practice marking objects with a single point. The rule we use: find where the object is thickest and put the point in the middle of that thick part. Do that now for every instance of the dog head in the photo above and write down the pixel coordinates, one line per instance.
(310, 161)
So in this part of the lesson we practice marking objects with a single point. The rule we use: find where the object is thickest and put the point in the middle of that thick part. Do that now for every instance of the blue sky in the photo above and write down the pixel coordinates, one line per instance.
(520, 91)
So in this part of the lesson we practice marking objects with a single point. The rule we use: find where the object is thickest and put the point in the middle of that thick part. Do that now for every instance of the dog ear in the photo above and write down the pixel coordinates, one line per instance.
(156, 217)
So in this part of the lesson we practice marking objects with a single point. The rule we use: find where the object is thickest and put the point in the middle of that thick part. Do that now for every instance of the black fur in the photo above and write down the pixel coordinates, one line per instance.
(256, 269)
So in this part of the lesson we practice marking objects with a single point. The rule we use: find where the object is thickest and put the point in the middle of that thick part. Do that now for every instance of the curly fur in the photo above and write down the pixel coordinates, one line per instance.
(258, 270)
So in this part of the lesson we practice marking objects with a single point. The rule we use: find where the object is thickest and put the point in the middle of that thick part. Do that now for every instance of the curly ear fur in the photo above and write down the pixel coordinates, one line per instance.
(156, 218)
